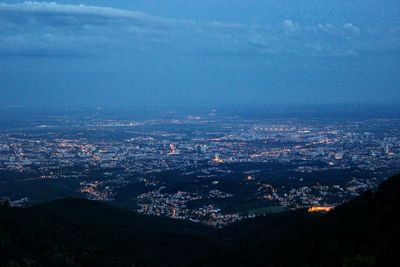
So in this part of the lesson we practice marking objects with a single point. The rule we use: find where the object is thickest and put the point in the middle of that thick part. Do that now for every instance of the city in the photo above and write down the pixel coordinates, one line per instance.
(209, 168)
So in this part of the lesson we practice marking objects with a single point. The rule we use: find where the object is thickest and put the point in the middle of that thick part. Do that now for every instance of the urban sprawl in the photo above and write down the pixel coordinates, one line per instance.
(209, 168)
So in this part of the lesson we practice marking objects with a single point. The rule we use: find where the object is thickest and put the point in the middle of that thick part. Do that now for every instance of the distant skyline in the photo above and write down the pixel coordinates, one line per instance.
(198, 53)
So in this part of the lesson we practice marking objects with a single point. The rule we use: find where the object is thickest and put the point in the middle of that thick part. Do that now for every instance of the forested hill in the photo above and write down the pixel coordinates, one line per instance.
(77, 232)
(363, 232)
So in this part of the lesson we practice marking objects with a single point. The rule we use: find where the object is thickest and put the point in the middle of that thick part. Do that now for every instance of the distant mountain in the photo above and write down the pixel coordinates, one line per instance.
(78, 232)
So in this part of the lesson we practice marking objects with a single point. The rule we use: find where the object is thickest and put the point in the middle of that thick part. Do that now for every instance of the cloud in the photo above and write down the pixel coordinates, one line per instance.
(41, 53)
(58, 15)
(40, 26)
(351, 28)
(290, 25)
(326, 27)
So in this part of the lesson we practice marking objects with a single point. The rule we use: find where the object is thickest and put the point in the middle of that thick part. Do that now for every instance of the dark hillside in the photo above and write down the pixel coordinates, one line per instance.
(365, 230)
(77, 232)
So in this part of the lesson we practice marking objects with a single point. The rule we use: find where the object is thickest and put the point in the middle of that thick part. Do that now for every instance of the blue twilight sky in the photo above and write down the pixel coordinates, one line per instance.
(203, 53)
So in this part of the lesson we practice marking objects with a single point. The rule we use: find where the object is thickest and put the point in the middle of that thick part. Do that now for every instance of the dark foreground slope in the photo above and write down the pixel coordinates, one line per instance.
(363, 232)
(76, 232)
(79, 232)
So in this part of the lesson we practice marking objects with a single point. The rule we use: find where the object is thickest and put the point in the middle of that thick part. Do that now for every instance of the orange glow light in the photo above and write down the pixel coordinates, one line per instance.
(320, 209)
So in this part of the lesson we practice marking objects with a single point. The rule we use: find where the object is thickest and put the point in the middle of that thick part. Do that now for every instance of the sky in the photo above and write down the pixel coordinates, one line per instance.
(114, 53)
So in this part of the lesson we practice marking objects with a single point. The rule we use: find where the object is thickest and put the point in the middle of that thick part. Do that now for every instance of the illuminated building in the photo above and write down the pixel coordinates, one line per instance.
(320, 209)
(217, 159)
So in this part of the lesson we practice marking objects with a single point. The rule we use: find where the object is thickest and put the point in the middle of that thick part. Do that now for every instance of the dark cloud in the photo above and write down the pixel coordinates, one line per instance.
(42, 53)
(84, 27)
